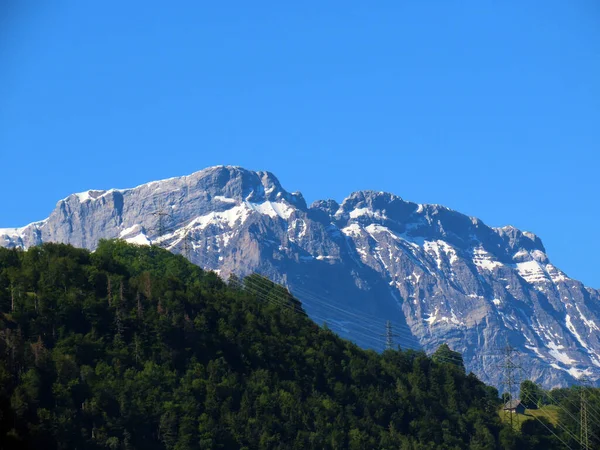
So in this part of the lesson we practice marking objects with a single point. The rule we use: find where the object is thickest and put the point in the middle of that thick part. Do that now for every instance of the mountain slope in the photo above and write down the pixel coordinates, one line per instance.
(133, 347)
(435, 274)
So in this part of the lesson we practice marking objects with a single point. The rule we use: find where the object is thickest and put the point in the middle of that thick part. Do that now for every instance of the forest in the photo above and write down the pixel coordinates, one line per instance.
(133, 347)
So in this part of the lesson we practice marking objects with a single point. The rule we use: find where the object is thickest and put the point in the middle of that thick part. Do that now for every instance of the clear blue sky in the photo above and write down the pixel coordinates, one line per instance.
(488, 107)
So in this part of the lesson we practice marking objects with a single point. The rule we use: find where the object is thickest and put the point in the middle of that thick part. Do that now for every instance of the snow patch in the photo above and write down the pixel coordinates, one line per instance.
(93, 195)
(352, 230)
(532, 272)
(322, 257)
(521, 254)
(556, 275)
(131, 230)
(441, 251)
(11, 232)
(223, 199)
(374, 229)
(358, 212)
(558, 355)
(535, 350)
(574, 332)
(435, 317)
(297, 229)
(140, 239)
(238, 214)
(578, 373)
(272, 209)
(589, 323)
(539, 256)
(231, 217)
(84, 196)
(483, 260)
(432, 317)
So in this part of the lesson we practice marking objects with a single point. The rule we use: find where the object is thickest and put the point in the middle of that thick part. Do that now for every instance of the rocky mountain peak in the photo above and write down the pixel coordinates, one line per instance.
(516, 239)
(438, 275)
(240, 184)
(329, 207)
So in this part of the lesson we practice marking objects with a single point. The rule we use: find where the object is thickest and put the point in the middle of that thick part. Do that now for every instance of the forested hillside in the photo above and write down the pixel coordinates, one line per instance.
(133, 347)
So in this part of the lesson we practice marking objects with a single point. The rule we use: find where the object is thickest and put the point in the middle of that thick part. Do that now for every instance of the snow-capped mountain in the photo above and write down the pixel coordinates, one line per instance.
(437, 275)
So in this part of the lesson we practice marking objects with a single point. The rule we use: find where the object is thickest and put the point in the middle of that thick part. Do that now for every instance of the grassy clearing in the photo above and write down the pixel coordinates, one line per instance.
(550, 412)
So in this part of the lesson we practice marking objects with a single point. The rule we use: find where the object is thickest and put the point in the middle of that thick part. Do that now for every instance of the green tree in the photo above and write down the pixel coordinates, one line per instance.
(135, 348)
(530, 394)
(443, 355)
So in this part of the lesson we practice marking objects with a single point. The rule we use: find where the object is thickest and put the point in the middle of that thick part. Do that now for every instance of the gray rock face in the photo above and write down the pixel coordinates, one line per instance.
(437, 275)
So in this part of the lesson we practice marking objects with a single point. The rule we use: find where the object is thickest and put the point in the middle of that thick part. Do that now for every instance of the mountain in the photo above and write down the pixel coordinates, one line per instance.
(436, 275)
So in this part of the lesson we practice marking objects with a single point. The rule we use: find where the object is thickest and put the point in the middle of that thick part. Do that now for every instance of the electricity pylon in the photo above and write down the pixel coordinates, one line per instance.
(584, 437)
(389, 336)
(509, 367)
(161, 214)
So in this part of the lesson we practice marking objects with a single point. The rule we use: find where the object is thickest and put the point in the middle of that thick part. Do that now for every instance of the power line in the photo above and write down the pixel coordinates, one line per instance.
(262, 287)
(558, 423)
(366, 324)
(161, 214)
(509, 366)
(368, 333)
(567, 412)
(584, 419)
(392, 331)
(389, 335)
(584, 435)
(254, 286)
(361, 324)
(549, 429)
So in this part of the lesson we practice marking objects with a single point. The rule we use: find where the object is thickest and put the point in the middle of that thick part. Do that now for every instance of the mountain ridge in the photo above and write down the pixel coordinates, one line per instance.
(442, 276)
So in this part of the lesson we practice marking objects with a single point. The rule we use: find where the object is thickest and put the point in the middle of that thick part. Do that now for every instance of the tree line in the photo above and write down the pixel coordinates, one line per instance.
(136, 348)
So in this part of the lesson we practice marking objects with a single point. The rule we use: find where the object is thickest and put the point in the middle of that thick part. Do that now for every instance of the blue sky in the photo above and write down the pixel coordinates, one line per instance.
(488, 107)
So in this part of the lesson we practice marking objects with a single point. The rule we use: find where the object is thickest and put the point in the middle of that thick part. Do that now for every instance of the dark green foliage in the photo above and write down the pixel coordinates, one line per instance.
(569, 402)
(531, 395)
(540, 434)
(135, 348)
(443, 355)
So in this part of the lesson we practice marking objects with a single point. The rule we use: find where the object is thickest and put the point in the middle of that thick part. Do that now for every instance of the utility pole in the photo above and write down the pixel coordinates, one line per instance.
(584, 437)
(389, 336)
(186, 237)
(186, 245)
(161, 214)
(509, 367)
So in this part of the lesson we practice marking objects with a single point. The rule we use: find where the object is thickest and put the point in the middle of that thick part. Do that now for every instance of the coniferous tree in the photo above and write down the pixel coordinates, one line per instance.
(135, 348)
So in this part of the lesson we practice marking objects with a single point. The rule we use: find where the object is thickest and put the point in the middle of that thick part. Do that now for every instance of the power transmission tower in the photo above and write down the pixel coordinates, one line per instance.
(584, 437)
(389, 336)
(511, 383)
(186, 237)
(161, 214)
(186, 245)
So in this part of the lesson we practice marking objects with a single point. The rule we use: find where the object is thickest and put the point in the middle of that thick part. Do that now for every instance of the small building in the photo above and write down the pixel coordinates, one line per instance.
(514, 406)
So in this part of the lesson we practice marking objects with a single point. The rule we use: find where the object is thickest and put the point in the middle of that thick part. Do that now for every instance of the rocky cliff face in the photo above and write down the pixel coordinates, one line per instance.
(437, 275)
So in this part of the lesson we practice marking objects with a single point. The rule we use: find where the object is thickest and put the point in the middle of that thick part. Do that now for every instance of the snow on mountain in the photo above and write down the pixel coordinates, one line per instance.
(437, 275)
